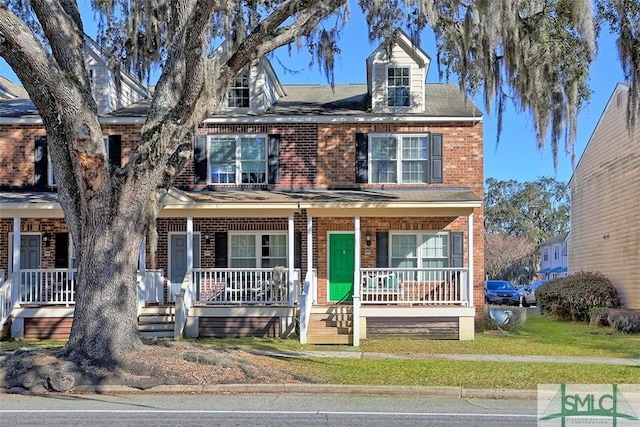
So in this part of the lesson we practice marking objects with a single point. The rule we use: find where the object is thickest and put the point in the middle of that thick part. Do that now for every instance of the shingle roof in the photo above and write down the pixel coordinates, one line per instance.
(441, 100)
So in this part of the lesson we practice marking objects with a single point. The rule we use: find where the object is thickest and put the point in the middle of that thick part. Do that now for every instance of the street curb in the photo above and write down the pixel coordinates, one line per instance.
(301, 388)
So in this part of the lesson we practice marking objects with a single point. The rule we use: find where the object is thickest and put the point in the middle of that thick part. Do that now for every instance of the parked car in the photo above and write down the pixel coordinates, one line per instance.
(501, 292)
(529, 297)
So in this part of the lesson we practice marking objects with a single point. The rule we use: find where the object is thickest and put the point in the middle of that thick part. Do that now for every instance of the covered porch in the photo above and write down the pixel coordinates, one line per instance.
(202, 298)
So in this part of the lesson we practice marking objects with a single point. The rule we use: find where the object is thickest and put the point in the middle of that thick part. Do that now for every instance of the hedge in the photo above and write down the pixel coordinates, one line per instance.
(574, 296)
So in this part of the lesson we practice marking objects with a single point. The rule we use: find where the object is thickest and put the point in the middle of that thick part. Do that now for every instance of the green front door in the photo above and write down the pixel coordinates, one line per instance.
(341, 266)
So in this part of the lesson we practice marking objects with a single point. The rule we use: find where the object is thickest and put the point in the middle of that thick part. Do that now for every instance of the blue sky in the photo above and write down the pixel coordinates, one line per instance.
(516, 157)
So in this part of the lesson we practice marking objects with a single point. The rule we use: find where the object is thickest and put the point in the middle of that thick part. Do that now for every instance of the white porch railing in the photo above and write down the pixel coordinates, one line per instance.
(307, 300)
(6, 300)
(414, 286)
(47, 286)
(150, 287)
(232, 286)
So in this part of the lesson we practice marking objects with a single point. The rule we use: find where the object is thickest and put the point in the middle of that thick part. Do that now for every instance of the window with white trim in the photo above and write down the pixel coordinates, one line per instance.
(420, 250)
(262, 250)
(399, 158)
(545, 254)
(398, 86)
(238, 159)
(556, 252)
(238, 95)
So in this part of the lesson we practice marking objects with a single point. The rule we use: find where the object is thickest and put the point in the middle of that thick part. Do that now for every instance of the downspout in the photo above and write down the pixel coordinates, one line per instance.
(290, 262)
(470, 260)
(312, 300)
(356, 285)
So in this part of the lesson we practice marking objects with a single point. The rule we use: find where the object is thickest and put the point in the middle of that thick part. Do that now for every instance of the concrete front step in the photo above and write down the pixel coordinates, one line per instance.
(155, 319)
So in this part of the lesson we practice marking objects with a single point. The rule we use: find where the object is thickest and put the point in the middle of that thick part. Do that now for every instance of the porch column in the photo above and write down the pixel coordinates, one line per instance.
(356, 284)
(15, 267)
(142, 261)
(470, 260)
(16, 245)
(310, 255)
(189, 244)
(290, 261)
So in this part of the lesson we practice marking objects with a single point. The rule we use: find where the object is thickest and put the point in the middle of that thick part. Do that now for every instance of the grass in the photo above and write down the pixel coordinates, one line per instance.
(539, 336)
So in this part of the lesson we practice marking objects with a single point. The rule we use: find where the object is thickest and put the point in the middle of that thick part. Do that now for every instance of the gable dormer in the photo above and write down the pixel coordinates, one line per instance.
(253, 91)
(396, 77)
(103, 81)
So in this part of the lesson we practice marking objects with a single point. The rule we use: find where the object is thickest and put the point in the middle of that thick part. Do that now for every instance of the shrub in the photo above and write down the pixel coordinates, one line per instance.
(598, 316)
(516, 321)
(573, 297)
(624, 320)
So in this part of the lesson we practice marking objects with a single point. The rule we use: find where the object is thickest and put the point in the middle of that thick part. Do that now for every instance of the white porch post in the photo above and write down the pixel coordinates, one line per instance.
(470, 260)
(189, 243)
(15, 289)
(310, 254)
(290, 261)
(356, 285)
(142, 261)
(16, 245)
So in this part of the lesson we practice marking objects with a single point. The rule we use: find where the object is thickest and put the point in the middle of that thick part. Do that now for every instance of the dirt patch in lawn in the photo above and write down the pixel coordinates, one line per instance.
(168, 363)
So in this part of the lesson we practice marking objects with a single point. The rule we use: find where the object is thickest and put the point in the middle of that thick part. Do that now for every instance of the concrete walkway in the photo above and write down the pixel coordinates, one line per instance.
(469, 357)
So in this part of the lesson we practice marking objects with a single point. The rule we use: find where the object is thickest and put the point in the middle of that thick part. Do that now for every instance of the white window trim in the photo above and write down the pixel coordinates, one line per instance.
(226, 96)
(399, 159)
(238, 176)
(257, 235)
(386, 86)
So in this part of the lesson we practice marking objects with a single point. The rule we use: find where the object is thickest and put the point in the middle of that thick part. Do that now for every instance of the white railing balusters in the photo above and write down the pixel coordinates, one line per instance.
(234, 286)
(414, 286)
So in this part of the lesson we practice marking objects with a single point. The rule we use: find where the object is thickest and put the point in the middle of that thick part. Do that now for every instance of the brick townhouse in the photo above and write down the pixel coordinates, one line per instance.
(356, 210)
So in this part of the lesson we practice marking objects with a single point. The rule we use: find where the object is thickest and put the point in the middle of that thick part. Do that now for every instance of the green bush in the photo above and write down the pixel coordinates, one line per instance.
(516, 321)
(624, 320)
(574, 297)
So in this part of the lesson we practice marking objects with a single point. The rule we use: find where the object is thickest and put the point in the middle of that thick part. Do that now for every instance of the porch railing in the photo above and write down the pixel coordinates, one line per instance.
(47, 286)
(232, 286)
(6, 300)
(307, 300)
(150, 287)
(414, 286)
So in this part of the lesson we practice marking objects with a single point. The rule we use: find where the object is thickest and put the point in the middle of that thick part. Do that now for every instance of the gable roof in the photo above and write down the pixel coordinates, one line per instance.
(404, 42)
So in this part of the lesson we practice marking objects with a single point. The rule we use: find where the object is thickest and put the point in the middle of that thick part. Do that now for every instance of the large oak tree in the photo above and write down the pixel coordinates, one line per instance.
(535, 52)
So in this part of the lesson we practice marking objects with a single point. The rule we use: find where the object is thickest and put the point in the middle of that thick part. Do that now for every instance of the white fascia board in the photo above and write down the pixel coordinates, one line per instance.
(269, 119)
(340, 119)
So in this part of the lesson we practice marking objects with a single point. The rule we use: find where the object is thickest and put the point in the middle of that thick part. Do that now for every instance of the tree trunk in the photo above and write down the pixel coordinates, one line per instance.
(105, 320)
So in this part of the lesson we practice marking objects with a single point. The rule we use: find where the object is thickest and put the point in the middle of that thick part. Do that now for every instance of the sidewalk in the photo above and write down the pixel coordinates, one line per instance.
(470, 357)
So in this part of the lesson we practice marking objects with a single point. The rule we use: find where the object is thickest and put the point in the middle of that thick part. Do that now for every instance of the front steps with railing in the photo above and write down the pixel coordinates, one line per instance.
(157, 321)
(331, 325)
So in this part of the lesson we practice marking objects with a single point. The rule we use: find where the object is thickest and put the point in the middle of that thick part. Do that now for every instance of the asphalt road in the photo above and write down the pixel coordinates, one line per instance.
(272, 409)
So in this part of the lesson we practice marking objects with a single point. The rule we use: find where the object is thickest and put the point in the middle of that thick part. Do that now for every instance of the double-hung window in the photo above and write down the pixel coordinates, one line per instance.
(420, 250)
(263, 250)
(399, 158)
(398, 87)
(238, 95)
(238, 159)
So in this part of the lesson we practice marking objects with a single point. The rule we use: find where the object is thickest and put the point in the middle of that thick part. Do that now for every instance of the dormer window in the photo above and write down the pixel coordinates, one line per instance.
(398, 88)
(238, 96)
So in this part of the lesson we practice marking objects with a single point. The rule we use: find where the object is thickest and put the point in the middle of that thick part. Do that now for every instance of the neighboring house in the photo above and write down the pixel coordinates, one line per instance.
(605, 201)
(553, 257)
(357, 209)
